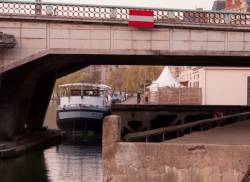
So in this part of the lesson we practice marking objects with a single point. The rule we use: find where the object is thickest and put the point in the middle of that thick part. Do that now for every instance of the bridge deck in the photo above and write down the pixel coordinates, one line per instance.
(234, 134)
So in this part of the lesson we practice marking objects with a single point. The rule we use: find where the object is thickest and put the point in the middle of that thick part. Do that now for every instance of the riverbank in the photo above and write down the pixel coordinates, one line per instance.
(29, 141)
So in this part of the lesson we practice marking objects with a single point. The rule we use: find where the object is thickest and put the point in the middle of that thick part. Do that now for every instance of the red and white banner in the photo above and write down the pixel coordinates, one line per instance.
(141, 18)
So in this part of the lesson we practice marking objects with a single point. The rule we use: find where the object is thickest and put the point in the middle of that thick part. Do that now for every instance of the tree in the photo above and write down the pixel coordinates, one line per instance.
(132, 79)
(115, 79)
(76, 77)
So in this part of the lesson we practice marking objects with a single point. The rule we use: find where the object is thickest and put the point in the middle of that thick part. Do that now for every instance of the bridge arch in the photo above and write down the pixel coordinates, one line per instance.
(49, 47)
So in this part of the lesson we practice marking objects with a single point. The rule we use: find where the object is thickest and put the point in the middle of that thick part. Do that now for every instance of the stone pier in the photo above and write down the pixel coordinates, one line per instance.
(216, 155)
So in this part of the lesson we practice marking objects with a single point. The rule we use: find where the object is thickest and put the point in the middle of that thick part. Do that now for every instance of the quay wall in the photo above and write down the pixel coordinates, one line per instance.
(144, 162)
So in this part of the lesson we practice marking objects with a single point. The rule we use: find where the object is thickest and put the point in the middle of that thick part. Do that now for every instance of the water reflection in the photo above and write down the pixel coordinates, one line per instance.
(28, 168)
(71, 163)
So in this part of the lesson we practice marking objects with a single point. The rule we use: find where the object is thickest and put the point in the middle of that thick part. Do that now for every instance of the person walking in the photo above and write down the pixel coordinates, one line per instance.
(138, 98)
(146, 97)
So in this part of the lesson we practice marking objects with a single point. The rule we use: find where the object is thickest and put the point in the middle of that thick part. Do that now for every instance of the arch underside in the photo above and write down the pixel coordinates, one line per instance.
(25, 90)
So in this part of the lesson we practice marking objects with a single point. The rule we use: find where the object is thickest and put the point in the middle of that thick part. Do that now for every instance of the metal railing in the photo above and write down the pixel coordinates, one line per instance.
(120, 14)
(206, 123)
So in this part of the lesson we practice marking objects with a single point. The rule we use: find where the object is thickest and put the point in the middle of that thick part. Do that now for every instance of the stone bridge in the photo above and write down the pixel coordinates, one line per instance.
(53, 40)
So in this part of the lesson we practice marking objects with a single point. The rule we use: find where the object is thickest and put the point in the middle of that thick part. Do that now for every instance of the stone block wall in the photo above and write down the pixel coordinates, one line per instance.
(170, 162)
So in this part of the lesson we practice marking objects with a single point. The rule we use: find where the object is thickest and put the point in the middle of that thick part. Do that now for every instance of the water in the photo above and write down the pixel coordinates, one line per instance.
(67, 162)
(63, 163)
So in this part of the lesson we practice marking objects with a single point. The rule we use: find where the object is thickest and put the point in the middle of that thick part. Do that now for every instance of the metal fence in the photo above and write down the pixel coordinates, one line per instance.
(203, 124)
(120, 14)
(168, 95)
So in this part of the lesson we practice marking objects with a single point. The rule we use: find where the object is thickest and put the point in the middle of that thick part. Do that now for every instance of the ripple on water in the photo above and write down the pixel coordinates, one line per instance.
(74, 163)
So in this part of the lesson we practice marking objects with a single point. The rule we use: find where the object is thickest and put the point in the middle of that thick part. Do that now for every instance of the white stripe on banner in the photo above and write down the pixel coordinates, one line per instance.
(141, 18)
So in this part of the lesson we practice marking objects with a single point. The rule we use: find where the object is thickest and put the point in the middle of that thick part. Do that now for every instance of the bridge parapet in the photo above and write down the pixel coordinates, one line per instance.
(120, 14)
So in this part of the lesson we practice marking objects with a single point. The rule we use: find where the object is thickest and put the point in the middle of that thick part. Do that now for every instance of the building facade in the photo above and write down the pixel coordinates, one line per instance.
(237, 5)
(189, 76)
(231, 5)
(219, 85)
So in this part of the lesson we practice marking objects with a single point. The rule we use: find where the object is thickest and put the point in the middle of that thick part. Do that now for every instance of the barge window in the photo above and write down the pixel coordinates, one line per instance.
(75, 92)
(91, 93)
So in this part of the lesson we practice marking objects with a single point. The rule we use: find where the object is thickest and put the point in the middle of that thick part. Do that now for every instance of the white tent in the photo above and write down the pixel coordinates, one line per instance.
(166, 79)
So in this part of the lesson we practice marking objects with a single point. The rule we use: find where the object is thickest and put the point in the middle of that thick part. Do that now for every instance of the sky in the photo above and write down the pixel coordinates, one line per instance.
(177, 4)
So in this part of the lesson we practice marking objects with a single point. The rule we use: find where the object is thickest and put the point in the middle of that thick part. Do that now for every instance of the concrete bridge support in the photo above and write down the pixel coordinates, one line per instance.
(17, 97)
(40, 100)
(25, 93)
(14, 103)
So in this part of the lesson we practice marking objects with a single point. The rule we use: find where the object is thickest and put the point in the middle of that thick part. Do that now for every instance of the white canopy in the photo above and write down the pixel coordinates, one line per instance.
(93, 85)
(166, 79)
